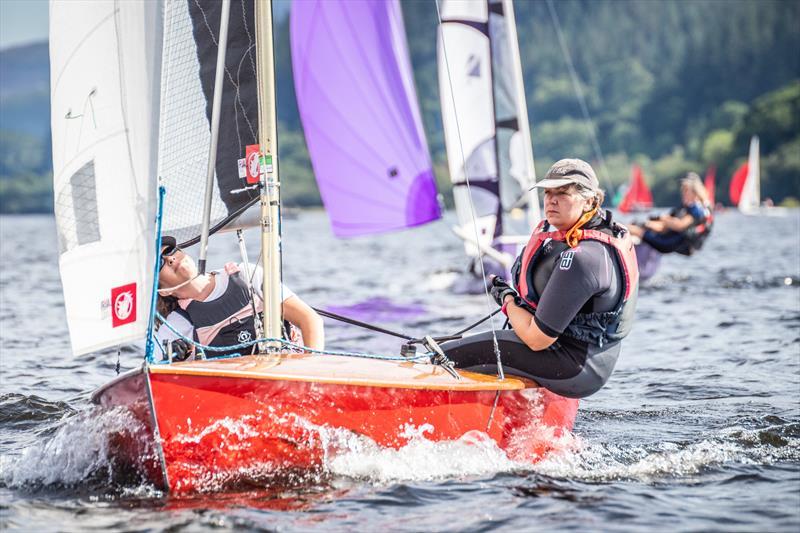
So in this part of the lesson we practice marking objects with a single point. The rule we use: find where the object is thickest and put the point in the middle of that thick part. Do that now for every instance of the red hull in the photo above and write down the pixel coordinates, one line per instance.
(213, 428)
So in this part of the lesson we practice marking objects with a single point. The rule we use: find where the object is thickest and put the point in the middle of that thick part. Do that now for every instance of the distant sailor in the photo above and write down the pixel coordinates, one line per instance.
(685, 228)
(574, 294)
(216, 310)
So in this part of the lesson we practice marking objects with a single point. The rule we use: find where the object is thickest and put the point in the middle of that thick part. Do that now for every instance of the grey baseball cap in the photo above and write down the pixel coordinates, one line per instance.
(569, 171)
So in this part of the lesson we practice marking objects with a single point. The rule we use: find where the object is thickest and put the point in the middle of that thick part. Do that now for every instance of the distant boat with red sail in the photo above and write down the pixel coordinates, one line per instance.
(638, 196)
(745, 188)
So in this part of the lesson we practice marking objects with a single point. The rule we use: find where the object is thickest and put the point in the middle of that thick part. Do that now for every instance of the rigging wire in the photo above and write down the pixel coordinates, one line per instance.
(581, 99)
(469, 195)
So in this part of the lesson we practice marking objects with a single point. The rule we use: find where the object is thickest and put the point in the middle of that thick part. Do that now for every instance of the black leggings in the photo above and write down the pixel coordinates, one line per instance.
(568, 367)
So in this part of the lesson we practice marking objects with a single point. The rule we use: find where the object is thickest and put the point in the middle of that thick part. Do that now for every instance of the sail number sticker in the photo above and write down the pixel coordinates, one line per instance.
(123, 305)
(253, 163)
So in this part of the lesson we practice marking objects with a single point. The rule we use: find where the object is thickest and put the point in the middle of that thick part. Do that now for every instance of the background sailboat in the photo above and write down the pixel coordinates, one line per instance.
(208, 421)
(487, 133)
(637, 196)
(745, 188)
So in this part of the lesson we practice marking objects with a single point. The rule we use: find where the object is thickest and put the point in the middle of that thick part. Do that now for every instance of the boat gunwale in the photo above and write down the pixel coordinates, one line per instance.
(477, 382)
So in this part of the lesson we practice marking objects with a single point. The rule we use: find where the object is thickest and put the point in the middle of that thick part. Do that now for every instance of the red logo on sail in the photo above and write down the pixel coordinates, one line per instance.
(123, 305)
(253, 163)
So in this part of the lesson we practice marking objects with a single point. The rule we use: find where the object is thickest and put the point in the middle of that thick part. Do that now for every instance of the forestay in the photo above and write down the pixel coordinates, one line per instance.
(105, 68)
(358, 105)
(484, 113)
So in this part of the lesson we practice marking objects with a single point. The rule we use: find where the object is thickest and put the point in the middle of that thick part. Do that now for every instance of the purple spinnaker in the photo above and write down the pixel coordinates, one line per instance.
(358, 104)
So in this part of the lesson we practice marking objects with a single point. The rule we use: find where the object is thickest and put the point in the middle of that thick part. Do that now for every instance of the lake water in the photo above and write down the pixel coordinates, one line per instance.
(698, 428)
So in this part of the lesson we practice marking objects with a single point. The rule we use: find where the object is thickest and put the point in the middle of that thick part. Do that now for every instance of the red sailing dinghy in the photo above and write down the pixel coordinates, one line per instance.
(208, 424)
(218, 421)
(638, 196)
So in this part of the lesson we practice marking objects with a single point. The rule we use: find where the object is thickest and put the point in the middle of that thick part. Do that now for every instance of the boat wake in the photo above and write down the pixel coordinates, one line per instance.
(736, 445)
(80, 453)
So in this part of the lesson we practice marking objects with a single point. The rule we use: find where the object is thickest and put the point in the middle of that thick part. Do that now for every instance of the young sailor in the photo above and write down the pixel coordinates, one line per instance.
(215, 309)
(574, 294)
(685, 228)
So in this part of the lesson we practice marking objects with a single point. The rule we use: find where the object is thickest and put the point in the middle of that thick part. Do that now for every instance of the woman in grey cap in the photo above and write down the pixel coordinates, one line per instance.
(573, 297)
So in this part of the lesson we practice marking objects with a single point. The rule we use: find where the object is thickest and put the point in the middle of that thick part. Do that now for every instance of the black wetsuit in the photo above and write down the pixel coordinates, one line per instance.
(583, 279)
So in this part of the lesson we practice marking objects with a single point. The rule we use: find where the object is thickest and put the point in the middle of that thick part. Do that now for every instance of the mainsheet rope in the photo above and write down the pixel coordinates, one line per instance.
(472, 212)
(206, 348)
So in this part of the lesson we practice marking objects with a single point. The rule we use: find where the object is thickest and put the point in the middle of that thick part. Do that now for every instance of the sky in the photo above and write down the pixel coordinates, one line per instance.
(26, 21)
(22, 22)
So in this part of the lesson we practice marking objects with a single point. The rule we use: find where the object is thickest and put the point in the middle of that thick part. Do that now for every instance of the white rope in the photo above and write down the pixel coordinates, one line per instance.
(472, 212)
(165, 291)
(581, 99)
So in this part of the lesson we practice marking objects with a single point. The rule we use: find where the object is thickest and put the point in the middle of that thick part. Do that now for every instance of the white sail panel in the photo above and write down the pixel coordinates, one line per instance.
(465, 85)
(484, 112)
(751, 192)
(105, 61)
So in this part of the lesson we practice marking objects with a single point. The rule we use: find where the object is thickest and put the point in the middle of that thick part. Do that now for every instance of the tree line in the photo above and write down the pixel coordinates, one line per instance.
(672, 85)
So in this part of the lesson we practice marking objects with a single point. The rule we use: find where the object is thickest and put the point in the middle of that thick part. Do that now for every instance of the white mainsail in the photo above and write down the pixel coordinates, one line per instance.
(751, 191)
(486, 122)
(105, 59)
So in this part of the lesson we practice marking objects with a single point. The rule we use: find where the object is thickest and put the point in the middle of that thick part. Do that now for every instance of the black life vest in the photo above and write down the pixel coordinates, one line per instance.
(224, 321)
(696, 234)
(597, 328)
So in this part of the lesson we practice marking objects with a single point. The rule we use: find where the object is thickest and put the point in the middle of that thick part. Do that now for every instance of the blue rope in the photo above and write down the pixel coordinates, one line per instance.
(417, 358)
(149, 346)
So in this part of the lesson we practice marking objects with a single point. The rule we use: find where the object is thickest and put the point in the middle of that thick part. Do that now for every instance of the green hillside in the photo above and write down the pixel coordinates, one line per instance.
(671, 85)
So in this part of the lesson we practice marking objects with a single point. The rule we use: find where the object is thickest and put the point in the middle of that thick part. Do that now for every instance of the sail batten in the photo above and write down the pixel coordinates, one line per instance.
(358, 105)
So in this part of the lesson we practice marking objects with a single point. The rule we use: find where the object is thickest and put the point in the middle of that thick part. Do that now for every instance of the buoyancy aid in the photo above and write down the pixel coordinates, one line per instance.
(698, 232)
(597, 328)
(224, 321)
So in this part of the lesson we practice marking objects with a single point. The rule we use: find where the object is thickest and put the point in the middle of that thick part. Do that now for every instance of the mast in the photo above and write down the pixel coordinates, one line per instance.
(215, 110)
(270, 183)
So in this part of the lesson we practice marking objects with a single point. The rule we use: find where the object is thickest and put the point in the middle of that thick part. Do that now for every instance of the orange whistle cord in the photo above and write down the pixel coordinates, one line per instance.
(574, 234)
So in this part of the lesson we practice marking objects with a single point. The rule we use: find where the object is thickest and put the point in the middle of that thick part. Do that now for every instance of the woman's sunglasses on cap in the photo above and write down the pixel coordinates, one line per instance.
(169, 251)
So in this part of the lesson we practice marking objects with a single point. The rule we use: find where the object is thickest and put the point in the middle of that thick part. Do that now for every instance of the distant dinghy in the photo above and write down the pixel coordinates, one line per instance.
(745, 188)
(637, 196)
